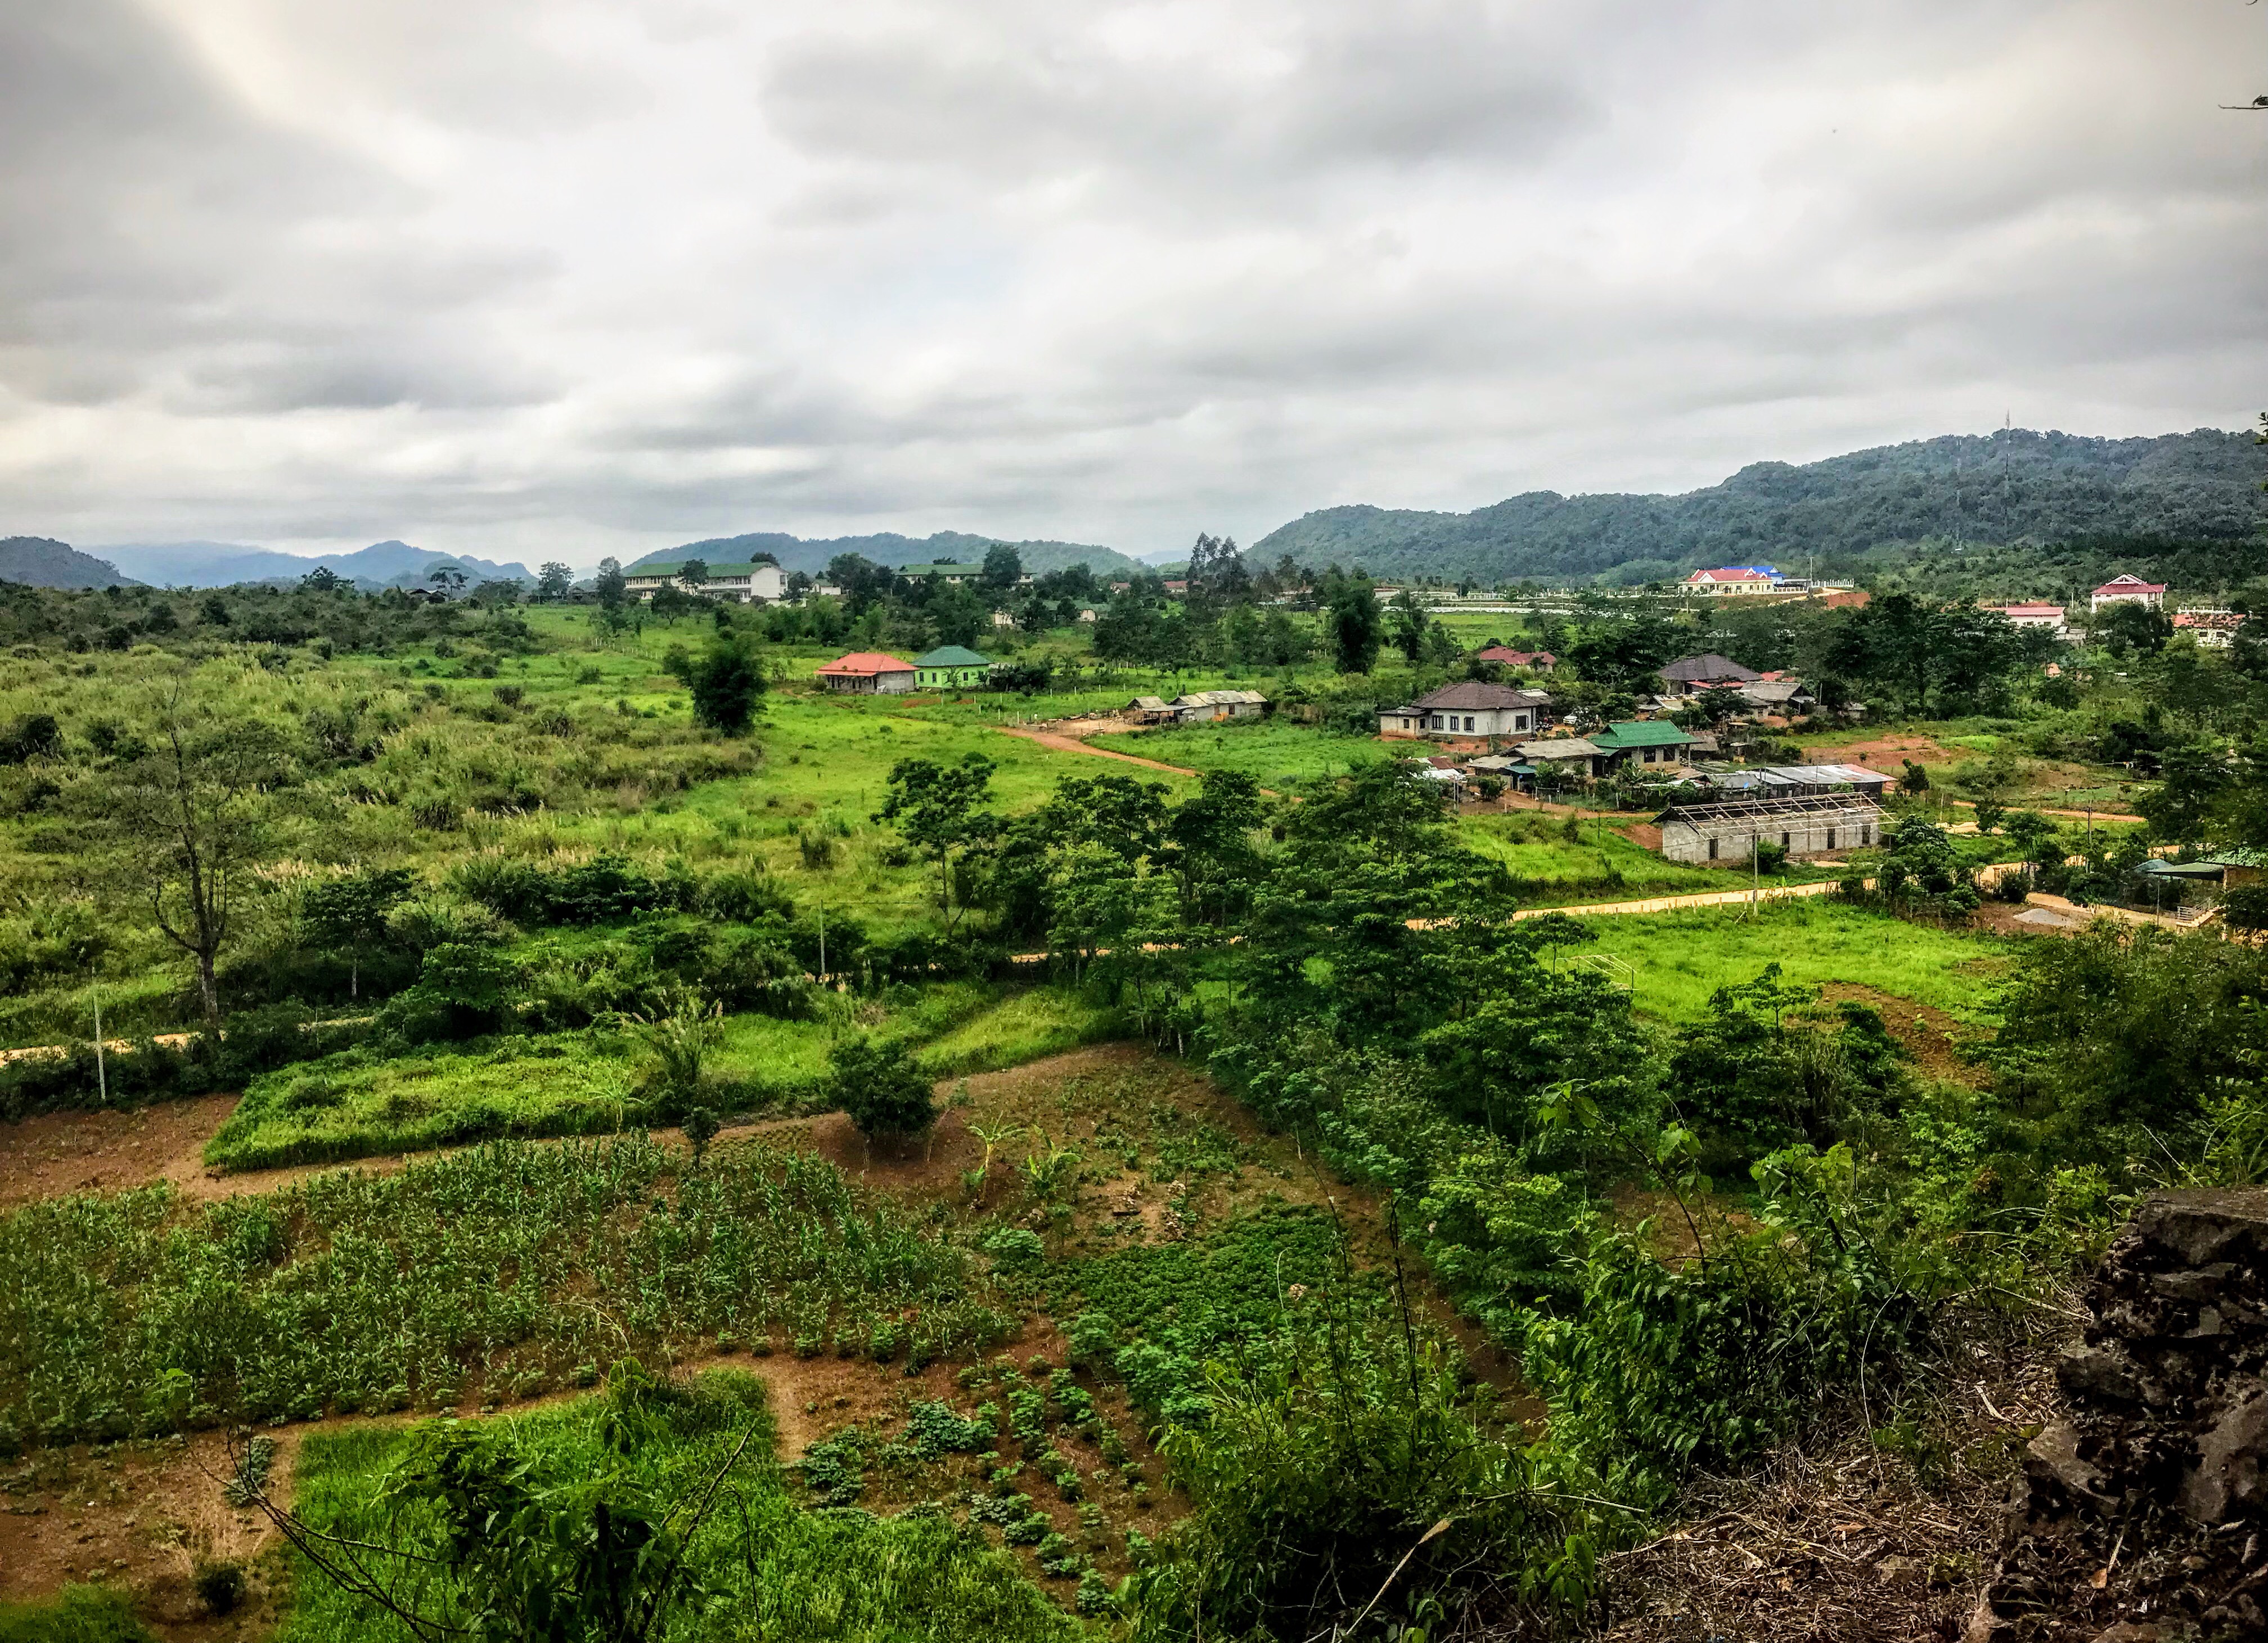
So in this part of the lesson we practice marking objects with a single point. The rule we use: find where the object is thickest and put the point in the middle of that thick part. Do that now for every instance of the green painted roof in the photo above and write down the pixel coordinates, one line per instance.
(1641, 732)
(944, 567)
(953, 656)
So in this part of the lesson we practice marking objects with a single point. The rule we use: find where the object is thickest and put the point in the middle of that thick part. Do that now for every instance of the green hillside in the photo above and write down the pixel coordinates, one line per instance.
(1831, 517)
(812, 554)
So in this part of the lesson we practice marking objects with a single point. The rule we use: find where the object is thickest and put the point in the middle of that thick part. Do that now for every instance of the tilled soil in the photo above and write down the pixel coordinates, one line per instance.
(54, 1155)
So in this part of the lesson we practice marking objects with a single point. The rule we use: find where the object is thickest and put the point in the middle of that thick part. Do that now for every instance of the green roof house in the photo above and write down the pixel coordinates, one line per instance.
(1642, 741)
(950, 668)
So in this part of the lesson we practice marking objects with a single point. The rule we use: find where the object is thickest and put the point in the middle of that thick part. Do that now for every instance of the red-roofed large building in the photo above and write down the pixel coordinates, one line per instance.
(868, 673)
(1732, 579)
(2128, 589)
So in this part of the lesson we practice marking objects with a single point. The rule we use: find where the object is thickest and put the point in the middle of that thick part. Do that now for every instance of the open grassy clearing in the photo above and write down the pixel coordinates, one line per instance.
(1682, 958)
(1274, 752)
(355, 1105)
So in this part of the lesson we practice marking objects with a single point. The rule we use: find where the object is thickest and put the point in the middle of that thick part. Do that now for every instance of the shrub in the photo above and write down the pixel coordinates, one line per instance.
(885, 1092)
(2245, 907)
(220, 1586)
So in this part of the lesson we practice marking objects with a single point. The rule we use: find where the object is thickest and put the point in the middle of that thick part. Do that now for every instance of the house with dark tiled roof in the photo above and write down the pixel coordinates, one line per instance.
(1689, 675)
(1468, 711)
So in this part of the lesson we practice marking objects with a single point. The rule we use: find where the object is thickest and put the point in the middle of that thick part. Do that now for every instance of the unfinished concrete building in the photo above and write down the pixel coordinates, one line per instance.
(1730, 830)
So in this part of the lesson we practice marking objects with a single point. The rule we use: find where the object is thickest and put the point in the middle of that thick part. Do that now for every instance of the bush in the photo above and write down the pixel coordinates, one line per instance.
(2245, 907)
(885, 1092)
(220, 1586)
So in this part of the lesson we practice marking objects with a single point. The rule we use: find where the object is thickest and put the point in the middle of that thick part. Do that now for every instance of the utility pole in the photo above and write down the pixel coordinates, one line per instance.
(101, 1070)
(822, 944)
(1755, 874)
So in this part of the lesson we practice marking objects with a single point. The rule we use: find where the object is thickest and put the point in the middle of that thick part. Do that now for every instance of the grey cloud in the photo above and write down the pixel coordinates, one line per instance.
(524, 279)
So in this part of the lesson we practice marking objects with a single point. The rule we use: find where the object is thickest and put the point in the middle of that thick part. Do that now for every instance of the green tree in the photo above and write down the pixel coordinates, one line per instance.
(554, 580)
(693, 576)
(190, 818)
(1405, 626)
(878, 1083)
(1351, 622)
(728, 686)
(1003, 569)
(348, 916)
(941, 808)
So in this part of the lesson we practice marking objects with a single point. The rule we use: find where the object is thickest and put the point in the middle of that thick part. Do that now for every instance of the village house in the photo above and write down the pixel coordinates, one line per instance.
(1729, 831)
(1529, 661)
(1690, 676)
(1640, 741)
(2214, 629)
(2128, 589)
(951, 667)
(1147, 710)
(1468, 711)
(2048, 616)
(1203, 706)
(868, 673)
(746, 583)
(1573, 757)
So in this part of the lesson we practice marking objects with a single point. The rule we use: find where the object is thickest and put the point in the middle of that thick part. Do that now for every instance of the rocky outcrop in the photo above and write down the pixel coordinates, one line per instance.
(2162, 1455)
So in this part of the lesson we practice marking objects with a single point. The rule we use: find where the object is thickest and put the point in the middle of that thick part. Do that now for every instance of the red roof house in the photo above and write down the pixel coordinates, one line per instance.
(1535, 661)
(2128, 589)
(868, 673)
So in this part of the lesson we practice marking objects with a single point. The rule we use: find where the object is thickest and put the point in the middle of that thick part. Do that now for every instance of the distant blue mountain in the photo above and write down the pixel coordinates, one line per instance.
(220, 564)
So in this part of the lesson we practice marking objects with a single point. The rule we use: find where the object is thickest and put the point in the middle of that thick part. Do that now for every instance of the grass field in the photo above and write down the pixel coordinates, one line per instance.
(590, 1083)
(1680, 958)
(1276, 753)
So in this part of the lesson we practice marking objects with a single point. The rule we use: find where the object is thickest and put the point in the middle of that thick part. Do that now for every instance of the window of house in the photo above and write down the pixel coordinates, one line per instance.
(1469, 721)
(1519, 721)
(1712, 849)
(1831, 838)
(1784, 843)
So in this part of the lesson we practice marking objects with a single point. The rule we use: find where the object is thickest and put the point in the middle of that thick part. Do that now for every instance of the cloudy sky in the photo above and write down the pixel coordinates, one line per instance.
(539, 278)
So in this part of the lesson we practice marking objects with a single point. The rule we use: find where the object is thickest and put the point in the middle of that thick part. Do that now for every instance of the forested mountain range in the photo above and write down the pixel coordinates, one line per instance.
(389, 564)
(1845, 515)
(800, 553)
(42, 562)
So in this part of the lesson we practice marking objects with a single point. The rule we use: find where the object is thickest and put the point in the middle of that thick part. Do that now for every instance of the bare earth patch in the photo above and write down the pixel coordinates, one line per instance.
(52, 1155)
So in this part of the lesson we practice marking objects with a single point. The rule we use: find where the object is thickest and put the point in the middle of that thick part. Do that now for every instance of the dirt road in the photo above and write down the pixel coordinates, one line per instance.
(1062, 743)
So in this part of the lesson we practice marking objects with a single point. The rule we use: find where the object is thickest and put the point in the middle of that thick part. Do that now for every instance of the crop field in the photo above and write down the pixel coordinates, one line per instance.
(1013, 1485)
(785, 1570)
